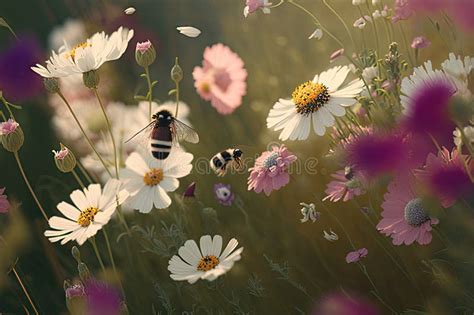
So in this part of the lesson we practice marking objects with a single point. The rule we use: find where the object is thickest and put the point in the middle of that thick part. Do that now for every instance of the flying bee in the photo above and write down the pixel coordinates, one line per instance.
(230, 157)
(167, 131)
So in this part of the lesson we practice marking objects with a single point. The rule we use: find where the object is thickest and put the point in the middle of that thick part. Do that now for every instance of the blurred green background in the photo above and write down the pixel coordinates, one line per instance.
(278, 56)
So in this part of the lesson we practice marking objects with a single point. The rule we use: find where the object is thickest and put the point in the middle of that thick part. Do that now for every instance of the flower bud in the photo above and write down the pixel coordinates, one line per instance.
(84, 272)
(461, 110)
(176, 72)
(51, 85)
(76, 254)
(64, 159)
(75, 298)
(91, 79)
(12, 136)
(145, 54)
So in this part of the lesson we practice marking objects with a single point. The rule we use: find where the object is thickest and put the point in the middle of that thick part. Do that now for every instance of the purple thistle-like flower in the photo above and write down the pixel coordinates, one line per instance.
(17, 81)
(341, 304)
(102, 299)
(224, 194)
(189, 192)
(374, 154)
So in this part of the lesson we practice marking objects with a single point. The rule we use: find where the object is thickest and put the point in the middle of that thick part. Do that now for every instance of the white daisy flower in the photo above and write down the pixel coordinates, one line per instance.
(207, 262)
(72, 32)
(87, 56)
(148, 180)
(468, 132)
(459, 72)
(314, 102)
(189, 31)
(92, 209)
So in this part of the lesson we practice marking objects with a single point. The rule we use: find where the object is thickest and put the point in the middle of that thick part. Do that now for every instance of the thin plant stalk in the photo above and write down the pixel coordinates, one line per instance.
(78, 179)
(89, 141)
(17, 276)
(97, 253)
(109, 127)
(150, 90)
(22, 171)
(342, 21)
(112, 260)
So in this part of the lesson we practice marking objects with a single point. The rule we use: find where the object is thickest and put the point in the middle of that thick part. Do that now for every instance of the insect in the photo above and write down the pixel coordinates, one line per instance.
(167, 131)
(230, 157)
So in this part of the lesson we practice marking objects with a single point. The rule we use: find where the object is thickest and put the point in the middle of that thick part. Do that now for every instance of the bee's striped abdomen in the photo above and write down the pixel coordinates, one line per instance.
(160, 142)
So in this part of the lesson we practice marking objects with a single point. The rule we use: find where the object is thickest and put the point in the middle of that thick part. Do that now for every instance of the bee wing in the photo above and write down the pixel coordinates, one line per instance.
(146, 130)
(181, 131)
(237, 165)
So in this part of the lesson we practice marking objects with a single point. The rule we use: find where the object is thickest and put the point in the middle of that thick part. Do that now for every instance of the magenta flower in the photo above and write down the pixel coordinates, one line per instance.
(223, 194)
(375, 154)
(61, 154)
(4, 203)
(271, 170)
(459, 10)
(420, 42)
(102, 299)
(144, 46)
(445, 176)
(402, 10)
(221, 79)
(346, 185)
(404, 217)
(8, 127)
(190, 190)
(356, 255)
(75, 290)
(254, 5)
(342, 304)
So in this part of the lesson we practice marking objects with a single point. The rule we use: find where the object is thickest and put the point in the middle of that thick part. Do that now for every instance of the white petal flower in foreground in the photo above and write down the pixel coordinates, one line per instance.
(87, 56)
(314, 103)
(148, 180)
(189, 31)
(207, 262)
(92, 209)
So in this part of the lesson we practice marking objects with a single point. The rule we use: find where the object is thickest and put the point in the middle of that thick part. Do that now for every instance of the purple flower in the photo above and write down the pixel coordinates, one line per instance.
(17, 81)
(8, 127)
(341, 304)
(223, 194)
(102, 299)
(4, 203)
(75, 290)
(144, 46)
(420, 42)
(189, 192)
(356, 255)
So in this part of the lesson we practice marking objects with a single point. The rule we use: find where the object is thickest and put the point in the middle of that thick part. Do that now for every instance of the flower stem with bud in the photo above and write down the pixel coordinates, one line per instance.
(176, 76)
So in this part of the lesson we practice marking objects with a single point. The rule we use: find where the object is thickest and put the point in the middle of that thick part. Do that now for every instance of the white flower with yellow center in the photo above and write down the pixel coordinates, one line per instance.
(316, 101)
(92, 209)
(148, 180)
(207, 262)
(86, 56)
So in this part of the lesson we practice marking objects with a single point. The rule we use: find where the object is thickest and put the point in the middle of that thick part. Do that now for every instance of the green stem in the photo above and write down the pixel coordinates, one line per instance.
(276, 5)
(89, 141)
(150, 90)
(342, 21)
(97, 253)
(374, 26)
(112, 260)
(177, 98)
(22, 171)
(84, 172)
(78, 179)
(406, 45)
(109, 127)
(17, 276)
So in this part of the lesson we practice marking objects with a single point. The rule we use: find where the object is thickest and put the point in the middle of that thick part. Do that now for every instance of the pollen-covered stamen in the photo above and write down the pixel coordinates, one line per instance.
(415, 214)
(72, 53)
(87, 216)
(207, 263)
(309, 97)
(153, 177)
(271, 160)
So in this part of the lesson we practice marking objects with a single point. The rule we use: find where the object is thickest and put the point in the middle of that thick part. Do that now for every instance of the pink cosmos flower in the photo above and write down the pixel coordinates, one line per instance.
(459, 10)
(271, 170)
(343, 304)
(356, 255)
(404, 217)
(4, 203)
(144, 46)
(61, 154)
(420, 42)
(254, 5)
(8, 127)
(221, 79)
(402, 10)
(445, 176)
(346, 185)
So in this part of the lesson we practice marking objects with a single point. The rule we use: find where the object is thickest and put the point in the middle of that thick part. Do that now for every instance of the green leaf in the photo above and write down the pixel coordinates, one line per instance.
(143, 75)
(4, 23)
(171, 92)
(154, 83)
(140, 98)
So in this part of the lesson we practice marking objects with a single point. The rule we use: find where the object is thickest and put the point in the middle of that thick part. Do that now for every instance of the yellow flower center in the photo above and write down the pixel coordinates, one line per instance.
(207, 263)
(205, 87)
(87, 216)
(153, 177)
(309, 97)
(72, 53)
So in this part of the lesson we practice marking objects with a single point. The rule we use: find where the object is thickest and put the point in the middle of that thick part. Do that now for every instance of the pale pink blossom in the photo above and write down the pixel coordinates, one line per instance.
(338, 53)
(254, 5)
(402, 10)
(420, 42)
(4, 203)
(221, 79)
(144, 46)
(356, 255)
(345, 186)
(271, 170)
(8, 127)
(61, 154)
(404, 217)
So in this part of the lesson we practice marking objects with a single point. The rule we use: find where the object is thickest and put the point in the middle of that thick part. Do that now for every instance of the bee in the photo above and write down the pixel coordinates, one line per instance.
(230, 157)
(167, 131)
